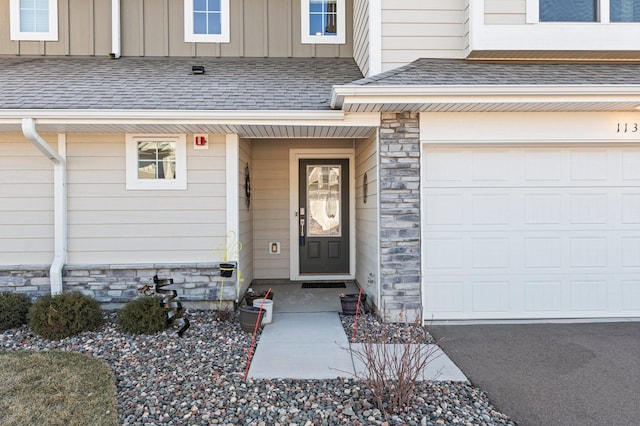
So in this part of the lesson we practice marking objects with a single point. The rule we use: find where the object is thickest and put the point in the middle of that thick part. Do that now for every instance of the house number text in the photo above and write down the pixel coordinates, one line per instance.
(628, 128)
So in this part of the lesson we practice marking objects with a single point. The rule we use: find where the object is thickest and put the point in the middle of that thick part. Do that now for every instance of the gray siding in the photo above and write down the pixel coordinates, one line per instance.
(367, 227)
(26, 206)
(413, 29)
(259, 28)
(361, 34)
(271, 200)
(245, 217)
(108, 224)
(84, 29)
(505, 12)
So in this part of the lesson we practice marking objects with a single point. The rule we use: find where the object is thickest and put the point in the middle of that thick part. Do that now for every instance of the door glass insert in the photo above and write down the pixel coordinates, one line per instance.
(323, 200)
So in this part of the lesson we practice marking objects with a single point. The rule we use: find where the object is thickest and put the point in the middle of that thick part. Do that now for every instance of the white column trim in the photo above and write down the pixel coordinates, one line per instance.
(116, 35)
(375, 37)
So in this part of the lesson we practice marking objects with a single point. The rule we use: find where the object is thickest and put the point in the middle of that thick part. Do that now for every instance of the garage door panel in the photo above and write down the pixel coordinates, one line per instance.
(631, 295)
(553, 234)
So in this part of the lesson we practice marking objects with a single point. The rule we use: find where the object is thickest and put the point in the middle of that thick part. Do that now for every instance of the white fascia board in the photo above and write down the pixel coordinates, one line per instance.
(266, 118)
(463, 94)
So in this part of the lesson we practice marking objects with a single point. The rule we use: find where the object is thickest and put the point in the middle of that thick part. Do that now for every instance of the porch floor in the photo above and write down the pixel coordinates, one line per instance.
(290, 297)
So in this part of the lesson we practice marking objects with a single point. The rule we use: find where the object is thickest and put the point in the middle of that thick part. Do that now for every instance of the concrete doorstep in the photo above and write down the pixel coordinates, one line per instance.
(315, 346)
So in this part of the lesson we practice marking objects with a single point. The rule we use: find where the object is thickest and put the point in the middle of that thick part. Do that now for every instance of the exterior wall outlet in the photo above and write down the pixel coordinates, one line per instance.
(274, 247)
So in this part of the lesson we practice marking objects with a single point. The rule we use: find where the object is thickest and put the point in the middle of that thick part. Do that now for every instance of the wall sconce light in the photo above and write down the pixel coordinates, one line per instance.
(197, 69)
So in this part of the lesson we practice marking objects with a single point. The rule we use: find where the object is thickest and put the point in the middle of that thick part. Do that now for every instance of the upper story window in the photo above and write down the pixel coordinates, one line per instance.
(156, 162)
(34, 20)
(625, 10)
(589, 10)
(323, 21)
(206, 21)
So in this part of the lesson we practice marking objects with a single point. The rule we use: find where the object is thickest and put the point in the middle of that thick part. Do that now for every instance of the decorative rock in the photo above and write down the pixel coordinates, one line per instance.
(197, 379)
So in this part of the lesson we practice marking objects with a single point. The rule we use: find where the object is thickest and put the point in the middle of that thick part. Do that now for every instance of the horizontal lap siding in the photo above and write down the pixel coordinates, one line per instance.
(271, 200)
(26, 202)
(415, 29)
(512, 12)
(108, 224)
(367, 236)
(245, 216)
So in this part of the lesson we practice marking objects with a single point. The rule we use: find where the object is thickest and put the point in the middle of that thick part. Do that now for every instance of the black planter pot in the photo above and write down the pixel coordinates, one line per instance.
(349, 303)
(250, 297)
(226, 269)
(249, 316)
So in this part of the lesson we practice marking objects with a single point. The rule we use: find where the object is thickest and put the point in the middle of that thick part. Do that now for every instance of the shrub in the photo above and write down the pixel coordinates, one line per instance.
(64, 315)
(392, 371)
(13, 309)
(144, 316)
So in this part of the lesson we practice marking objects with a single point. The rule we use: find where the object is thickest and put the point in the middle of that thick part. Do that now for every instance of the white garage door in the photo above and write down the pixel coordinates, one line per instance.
(531, 232)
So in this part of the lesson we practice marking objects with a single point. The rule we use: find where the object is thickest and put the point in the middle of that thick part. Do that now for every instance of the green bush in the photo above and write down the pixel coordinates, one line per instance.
(64, 315)
(13, 309)
(144, 315)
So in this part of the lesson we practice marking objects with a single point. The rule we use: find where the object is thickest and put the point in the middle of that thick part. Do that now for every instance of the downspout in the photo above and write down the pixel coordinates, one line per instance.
(115, 29)
(59, 198)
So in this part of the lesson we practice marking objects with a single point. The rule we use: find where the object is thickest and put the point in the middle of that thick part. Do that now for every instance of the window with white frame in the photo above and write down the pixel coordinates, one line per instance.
(323, 21)
(206, 21)
(156, 162)
(603, 11)
(35, 20)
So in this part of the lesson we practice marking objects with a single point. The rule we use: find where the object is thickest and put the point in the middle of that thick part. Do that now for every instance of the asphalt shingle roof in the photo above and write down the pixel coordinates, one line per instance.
(168, 83)
(460, 72)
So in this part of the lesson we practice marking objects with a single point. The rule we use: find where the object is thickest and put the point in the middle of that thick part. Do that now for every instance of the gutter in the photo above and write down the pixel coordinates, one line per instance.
(116, 44)
(60, 198)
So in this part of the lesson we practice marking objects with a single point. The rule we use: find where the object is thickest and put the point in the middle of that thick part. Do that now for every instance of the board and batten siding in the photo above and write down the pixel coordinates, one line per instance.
(258, 28)
(367, 229)
(26, 202)
(505, 12)
(111, 225)
(413, 29)
(84, 29)
(271, 216)
(361, 34)
(245, 216)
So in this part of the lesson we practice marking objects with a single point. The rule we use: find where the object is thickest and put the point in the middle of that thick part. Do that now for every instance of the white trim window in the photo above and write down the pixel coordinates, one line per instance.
(156, 162)
(601, 11)
(323, 21)
(206, 21)
(34, 20)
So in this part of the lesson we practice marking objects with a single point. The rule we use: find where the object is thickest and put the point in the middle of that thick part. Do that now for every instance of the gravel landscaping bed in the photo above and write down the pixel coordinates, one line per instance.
(198, 380)
(368, 325)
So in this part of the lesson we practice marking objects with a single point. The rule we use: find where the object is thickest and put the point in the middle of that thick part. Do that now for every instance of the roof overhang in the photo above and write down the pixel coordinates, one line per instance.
(485, 98)
(247, 124)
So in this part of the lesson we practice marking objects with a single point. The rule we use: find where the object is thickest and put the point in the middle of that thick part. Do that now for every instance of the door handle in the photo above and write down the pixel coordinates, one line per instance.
(302, 239)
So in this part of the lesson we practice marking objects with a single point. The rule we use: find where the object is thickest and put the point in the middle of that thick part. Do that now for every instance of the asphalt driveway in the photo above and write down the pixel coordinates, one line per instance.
(553, 374)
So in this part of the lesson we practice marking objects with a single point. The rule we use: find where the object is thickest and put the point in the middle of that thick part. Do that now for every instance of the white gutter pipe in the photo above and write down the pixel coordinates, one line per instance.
(115, 29)
(59, 198)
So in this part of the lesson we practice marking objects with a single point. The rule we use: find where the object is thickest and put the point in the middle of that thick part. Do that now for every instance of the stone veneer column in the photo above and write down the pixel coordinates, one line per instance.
(400, 262)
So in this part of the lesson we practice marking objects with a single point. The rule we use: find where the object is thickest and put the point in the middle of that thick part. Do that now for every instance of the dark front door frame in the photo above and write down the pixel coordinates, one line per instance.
(295, 155)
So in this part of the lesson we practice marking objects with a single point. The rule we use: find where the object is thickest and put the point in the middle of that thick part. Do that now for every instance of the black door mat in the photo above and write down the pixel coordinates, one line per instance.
(324, 285)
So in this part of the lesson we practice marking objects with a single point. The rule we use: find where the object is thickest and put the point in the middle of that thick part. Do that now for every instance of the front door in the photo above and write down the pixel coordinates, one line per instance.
(323, 216)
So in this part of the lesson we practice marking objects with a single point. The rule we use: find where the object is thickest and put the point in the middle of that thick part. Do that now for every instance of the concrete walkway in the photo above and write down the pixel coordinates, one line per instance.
(315, 346)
